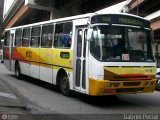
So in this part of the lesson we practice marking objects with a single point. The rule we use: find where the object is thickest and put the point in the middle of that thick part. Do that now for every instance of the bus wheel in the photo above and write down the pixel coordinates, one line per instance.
(64, 86)
(17, 71)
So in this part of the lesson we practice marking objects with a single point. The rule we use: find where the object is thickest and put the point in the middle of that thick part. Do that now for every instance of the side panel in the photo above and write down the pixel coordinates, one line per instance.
(46, 57)
(24, 61)
(34, 62)
(20, 55)
(63, 58)
(25, 68)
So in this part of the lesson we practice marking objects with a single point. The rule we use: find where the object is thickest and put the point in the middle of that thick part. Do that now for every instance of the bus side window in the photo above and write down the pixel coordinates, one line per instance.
(47, 36)
(62, 36)
(65, 39)
(18, 38)
(26, 37)
(35, 36)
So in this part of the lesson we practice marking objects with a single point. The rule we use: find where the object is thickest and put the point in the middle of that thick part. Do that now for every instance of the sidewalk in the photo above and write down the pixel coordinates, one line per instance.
(11, 106)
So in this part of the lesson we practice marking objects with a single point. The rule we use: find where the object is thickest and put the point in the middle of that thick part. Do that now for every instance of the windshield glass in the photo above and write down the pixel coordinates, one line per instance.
(117, 43)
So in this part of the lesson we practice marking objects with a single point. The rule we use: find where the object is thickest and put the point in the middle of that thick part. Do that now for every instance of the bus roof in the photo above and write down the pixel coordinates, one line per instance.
(54, 20)
(88, 15)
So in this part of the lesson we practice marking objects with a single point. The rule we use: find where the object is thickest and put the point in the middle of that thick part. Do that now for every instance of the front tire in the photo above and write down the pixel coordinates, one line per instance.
(64, 86)
(18, 71)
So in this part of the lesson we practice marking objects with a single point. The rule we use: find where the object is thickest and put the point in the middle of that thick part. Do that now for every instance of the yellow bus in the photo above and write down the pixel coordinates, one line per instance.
(94, 54)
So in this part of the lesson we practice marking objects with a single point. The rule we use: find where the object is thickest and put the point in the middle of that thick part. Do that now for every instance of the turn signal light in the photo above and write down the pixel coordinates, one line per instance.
(112, 84)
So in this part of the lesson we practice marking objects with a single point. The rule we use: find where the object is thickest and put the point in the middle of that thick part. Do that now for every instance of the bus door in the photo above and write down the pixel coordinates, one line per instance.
(80, 61)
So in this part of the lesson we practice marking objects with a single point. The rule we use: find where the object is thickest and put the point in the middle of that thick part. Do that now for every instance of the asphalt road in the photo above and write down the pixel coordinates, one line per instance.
(41, 97)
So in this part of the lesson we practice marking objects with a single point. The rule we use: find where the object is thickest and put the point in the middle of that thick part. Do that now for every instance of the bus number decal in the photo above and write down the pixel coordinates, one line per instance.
(29, 54)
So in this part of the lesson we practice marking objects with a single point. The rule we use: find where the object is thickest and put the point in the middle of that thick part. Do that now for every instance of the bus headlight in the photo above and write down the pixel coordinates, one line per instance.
(109, 84)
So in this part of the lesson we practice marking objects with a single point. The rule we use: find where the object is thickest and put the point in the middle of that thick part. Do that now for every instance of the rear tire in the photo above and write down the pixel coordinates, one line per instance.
(18, 71)
(64, 86)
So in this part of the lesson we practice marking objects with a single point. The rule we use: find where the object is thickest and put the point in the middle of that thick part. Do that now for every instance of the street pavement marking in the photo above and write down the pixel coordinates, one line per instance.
(2, 94)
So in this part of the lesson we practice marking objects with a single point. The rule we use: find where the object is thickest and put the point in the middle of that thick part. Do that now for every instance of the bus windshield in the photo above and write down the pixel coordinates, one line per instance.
(121, 44)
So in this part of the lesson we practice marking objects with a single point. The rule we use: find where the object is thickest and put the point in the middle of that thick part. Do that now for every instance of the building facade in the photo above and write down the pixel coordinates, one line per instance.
(1, 19)
(150, 10)
(21, 12)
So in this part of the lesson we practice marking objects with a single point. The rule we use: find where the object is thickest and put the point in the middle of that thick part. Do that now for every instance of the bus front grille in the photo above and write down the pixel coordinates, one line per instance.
(131, 83)
(131, 77)
(129, 90)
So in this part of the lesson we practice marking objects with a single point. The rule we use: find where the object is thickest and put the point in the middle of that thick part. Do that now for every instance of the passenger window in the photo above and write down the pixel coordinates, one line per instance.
(26, 37)
(47, 36)
(63, 35)
(35, 37)
(18, 37)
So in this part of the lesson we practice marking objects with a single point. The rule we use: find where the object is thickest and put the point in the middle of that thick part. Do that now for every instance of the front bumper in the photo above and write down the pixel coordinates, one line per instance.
(106, 87)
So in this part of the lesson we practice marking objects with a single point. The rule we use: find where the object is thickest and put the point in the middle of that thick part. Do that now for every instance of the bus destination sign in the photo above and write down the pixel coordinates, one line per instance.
(120, 19)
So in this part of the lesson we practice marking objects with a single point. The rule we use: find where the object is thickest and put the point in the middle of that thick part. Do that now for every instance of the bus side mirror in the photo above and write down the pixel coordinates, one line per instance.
(89, 34)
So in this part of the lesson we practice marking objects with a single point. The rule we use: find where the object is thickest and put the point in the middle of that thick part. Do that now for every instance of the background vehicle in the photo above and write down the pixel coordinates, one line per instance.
(158, 78)
(77, 53)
